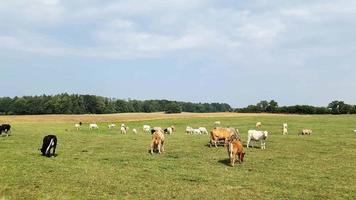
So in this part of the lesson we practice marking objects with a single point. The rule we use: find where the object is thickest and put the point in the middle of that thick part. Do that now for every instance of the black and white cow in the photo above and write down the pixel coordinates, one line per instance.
(49, 142)
(5, 128)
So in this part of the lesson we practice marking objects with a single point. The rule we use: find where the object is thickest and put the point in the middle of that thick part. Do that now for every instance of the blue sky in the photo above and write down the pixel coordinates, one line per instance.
(233, 51)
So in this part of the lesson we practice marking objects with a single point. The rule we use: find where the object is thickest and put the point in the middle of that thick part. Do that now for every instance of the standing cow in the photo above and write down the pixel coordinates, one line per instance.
(49, 142)
(257, 136)
(157, 142)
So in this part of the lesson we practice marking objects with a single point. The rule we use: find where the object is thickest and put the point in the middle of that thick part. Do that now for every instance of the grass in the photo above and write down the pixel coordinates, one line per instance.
(105, 164)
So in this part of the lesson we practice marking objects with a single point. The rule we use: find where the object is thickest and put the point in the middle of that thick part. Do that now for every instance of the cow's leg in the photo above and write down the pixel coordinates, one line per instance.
(162, 146)
(248, 142)
(151, 148)
(54, 149)
(159, 148)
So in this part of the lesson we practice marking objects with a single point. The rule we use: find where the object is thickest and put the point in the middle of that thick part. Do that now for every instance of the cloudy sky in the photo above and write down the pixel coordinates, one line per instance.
(233, 51)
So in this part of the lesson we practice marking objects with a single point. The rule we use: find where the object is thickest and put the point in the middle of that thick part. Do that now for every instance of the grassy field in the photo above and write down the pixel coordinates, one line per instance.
(105, 164)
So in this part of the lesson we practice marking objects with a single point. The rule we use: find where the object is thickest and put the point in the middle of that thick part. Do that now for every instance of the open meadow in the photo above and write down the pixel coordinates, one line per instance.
(104, 164)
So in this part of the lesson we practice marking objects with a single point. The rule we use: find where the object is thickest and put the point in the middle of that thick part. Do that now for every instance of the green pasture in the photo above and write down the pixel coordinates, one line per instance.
(104, 164)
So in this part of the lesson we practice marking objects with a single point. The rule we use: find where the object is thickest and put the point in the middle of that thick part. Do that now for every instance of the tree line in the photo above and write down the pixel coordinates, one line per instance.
(91, 104)
(335, 107)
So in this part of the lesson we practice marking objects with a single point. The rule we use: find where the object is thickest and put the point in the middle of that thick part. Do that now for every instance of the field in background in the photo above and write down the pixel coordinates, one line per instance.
(104, 164)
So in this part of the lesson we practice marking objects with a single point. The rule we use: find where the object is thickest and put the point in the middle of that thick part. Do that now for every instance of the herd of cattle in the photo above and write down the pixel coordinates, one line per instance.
(229, 137)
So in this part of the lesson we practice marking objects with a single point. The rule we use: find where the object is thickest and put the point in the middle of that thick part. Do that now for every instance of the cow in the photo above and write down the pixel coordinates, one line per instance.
(217, 124)
(157, 142)
(49, 142)
(203, 130)
(5, 128)
(111, 126)
(235, 149)
(146, 128)
(77, 126)
(224, 134)
(124, 129)
(257, 136)
(305, 132)
(93, 126)
(134, 131)
(169, 130)
(197, 131)
(258, 125)
(285, 129)
(189, 130)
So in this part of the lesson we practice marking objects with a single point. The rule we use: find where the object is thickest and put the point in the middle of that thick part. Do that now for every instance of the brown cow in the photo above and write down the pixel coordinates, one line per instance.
(157, 142)
(218, 134)
(235, 149)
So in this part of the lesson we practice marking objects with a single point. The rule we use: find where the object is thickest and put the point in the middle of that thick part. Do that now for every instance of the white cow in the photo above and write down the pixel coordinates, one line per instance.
(134, 131)
(93, 126)
(285, 129)
(111, 126)
(258, 125)
(123, 130)
(189, 130)
(146, 128)
(197, 131)
(306, 132)
(217, 124)
(203, 130)
(168, 130)
(77, 126)
(257, 136)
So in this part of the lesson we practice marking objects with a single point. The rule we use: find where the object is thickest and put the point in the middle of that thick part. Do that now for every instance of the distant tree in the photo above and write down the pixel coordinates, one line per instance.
(173, 108)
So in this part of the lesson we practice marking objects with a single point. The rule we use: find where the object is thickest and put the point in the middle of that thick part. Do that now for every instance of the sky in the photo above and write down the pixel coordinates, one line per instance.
(230, 51)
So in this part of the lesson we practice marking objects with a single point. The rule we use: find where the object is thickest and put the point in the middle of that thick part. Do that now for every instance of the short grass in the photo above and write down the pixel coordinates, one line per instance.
(105, 164)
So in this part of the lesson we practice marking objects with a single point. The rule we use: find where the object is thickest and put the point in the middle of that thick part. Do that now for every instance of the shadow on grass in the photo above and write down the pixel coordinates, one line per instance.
(225, 162)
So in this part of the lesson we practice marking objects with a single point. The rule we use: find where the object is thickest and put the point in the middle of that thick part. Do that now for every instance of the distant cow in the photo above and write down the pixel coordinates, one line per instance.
(218, 134)
(235, 149)
(257, 136)
(258, 125)
(134, 131)
(93, 126)
(49, 142)
(157, 142)
(124, 129)
(146, 128)
(285, 129)
(5, 128)
(111, 126)
(189, 130)
(305, 132)
(203, 130)
(169, 130)
(77, 126)
(217, 124)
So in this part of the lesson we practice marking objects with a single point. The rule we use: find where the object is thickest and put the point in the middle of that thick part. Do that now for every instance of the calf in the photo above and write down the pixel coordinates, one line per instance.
(6, 128)
(235, 149)
(49, 142)
(257, 136)
(157, 142)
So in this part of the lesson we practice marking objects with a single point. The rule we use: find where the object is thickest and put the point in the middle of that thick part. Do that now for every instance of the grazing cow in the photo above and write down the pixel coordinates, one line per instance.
(49, 142)
(203, 130)
(217, 124)
(157, 142)
(197, 131)
(93, 126)
(134, 131)
(224, 134)
(77, 126)
(189, 130)
(111, 126)
(306, 132)
(285, 129)
(169, 130)
(235, 149)
(146, 128)
(6, 128)
(257, 136)
(258, 125)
